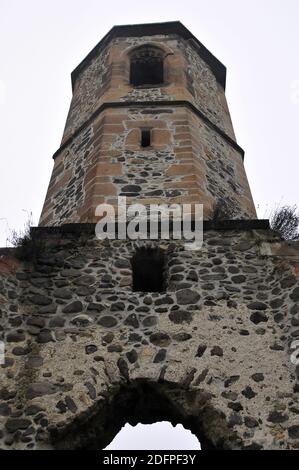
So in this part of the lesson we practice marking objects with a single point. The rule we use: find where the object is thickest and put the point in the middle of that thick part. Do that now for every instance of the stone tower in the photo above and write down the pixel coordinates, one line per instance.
(192, 154)
(100, 333)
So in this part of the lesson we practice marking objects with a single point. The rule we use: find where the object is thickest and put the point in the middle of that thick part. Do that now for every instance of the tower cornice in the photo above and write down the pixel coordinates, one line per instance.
(135, 104)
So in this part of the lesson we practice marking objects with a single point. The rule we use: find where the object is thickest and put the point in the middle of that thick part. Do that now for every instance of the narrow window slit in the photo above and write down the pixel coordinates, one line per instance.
(145, 138)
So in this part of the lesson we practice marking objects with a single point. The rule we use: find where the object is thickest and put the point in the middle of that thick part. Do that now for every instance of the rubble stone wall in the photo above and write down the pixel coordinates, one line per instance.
(213, 349)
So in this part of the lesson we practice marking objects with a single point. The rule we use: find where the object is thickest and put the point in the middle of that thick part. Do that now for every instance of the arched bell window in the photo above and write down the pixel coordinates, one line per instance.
(146, 67)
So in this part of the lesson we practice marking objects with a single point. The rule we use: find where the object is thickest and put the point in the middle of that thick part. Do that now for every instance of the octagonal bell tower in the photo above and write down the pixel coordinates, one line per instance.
(148, 120)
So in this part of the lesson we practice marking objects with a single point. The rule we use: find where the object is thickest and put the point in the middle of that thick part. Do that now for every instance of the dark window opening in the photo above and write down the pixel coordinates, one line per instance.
(146, 67)
(145, 138)
(148, 266)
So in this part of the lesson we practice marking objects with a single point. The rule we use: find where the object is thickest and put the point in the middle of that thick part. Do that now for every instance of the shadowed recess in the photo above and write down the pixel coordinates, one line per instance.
(148, 266)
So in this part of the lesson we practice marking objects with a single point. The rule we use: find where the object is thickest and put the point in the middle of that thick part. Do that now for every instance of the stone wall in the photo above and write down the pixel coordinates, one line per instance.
(214, 347)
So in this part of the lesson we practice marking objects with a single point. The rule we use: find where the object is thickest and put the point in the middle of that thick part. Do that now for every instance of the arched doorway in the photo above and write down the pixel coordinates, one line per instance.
(146, 402)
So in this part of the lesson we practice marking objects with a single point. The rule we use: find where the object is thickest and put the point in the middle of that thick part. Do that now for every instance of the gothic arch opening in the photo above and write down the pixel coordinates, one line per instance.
(142, 401)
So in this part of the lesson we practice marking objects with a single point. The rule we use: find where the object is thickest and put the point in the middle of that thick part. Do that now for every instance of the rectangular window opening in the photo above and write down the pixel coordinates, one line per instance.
(148, 266)
(145, 138)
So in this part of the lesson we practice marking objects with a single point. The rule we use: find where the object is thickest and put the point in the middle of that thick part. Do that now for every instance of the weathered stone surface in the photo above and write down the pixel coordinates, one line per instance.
(217, 351)
(62, 293)
(107, 321)
(277, 417)
(258, 377)
(61, 406)
(85, 290)
(182, 337)
(57, 322)
(123, 368)
(20, 351)
(39, 299)
(187, 296)
(180, 316)
(250, 422)
(231, 380)
(91, 390)
(248, 393)
(165, 300)
(122, 264)
(15, 337)
(258, 317)
(70, 404)
(235, 420)
(132, 356)
(33, 410)
(36, 321)
(295, 294)
(73, 307)
(132, 320)
(48, 309)
(39, 389)
(238, 279)
(150, 321)
(95, 307)
(115, 348)
(160, 356)
(81, 320)
(117, 307)
(201, 350)
(257, 306)
(276, 303)
(294, 432)
(188, 378)
(160, 339)
(4, 409)
(45, 336)
(91, 348)
(14, 424)
(108, 337)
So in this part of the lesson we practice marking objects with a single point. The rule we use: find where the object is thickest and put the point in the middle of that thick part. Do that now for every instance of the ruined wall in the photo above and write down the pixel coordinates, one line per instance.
(187, 162)
(215, 344)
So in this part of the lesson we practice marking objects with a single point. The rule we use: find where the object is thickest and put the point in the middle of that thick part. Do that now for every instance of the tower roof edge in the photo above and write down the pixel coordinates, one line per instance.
(152, 29)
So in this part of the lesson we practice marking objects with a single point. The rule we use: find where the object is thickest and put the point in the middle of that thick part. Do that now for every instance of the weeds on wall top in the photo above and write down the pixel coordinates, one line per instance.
(285, 221)
(27, 247)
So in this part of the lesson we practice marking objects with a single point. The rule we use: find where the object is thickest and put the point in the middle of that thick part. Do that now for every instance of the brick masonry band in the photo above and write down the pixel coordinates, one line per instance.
(143, 105)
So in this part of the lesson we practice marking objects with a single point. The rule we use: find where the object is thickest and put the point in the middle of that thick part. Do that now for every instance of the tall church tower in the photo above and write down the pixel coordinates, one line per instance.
(96, 333)
(148, 120)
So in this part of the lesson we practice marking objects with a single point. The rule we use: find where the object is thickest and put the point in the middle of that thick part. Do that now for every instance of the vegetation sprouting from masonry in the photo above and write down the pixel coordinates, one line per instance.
(27, 247)
(285, 221)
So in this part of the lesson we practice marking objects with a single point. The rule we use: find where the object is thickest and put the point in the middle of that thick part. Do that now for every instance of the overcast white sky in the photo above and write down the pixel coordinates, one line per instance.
(41, 42)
